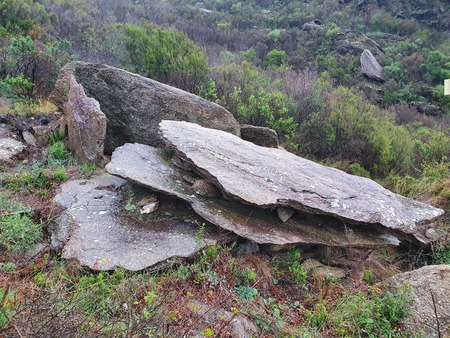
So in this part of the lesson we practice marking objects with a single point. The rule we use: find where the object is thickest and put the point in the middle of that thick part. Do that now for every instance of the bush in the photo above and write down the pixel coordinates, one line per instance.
(12, 86)
(385, 22)
(372, 316)
(395, 70)
(93, 293)
(394, 148)
(438, 67)
(166, 55)
(357, 169)
(439, 97)
(275, 58)
(6, 300)
(57, 154)
(18, 232)
(16, 16)
(33, 65)
(441, 254)
(246, 292)
(266, 109)
(433, 185)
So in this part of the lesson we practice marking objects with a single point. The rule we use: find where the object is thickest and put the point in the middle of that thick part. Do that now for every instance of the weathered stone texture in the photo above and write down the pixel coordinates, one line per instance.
(152, 168)
(94, 231)
(430, 309)
(370, 67)
(134, 105)
(268, 178)
(86, 124)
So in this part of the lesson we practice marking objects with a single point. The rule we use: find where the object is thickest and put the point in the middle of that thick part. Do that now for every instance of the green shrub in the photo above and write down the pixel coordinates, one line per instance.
(441, 254)
(318, 317)
(394, 147)
(183, 272)
(246, 292)
(275, 35)
(6, 299)
(249, 55)
(38, 180)
(207, 332)
(439, 97)
(297, 270)
(18, 85)
(357, 169)
(374, 316)
(57, 154)
(266, 109)
(8, 267)
(385, 22)
(166, 55)
(56, 136)
(243, 276)
(94, 293)
(275, 58)
(8, 205)
(395, 70)
(394, 93)
(368, 276)
(435, 148)
(19, 232)
(432, 185)
(437, 66)
(17, 16)
(342, 68)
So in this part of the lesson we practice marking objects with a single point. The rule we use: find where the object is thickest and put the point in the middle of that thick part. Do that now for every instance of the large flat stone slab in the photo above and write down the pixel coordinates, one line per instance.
(93, 231)
(153, 168)
(268, 178)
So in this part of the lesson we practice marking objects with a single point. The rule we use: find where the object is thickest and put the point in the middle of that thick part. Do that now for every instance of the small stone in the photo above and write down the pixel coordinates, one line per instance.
(319, 269)
(29, 138)
(284, 214)
(204, 188)
(149, 208)
(261, 136)
(432, 234)
(249, 247)
(8, 149)
(147, 200)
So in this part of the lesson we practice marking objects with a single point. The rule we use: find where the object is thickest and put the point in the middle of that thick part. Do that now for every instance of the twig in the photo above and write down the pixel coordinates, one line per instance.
(435, 313)
(17, 330)
(23, 212)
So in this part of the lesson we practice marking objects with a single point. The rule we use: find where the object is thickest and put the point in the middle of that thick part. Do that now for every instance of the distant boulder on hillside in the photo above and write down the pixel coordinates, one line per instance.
(370, 67)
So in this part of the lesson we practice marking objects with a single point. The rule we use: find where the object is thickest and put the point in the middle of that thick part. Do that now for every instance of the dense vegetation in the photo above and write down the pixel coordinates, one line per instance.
(259, 60)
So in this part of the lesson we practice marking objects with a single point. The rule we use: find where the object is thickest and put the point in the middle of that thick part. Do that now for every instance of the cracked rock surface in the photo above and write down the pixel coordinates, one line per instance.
(153, 168)
(268, 178)
(93, 231)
